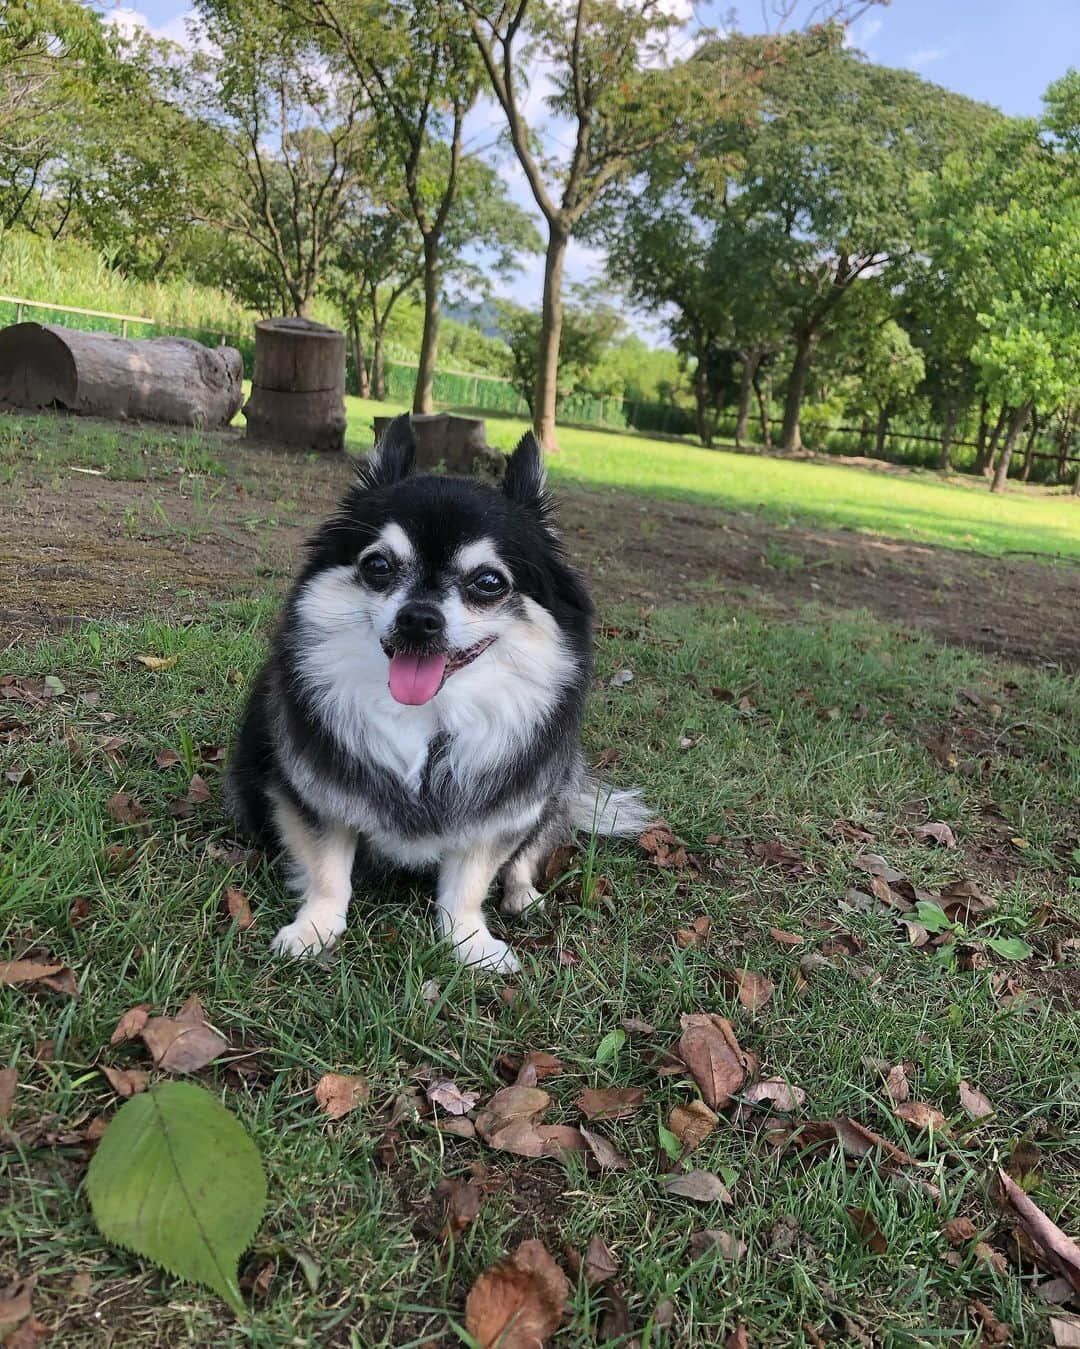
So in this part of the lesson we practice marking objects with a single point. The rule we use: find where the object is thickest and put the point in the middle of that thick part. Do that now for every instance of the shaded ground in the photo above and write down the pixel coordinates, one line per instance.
(76, 545)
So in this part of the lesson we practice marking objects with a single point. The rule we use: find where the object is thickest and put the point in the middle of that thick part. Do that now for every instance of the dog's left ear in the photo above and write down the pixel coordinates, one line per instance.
(392, 458)
(525, 482)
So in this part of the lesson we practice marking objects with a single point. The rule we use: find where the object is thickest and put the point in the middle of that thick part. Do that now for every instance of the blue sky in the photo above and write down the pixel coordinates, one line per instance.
(1004, 52)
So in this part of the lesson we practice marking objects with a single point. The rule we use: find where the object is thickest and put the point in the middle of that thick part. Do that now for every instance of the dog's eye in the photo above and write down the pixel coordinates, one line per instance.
(376, 569)
(487, 584)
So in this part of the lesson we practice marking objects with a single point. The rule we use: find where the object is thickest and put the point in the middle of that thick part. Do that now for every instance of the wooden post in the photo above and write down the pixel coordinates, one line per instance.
(298, 390)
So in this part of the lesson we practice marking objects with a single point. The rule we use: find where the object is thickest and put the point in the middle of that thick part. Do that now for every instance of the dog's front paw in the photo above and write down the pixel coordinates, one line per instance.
(519, 898)
(306, 936)
(484, 952)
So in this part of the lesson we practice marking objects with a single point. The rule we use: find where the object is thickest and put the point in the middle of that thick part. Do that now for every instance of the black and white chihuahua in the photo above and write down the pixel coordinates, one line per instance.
(423, 698)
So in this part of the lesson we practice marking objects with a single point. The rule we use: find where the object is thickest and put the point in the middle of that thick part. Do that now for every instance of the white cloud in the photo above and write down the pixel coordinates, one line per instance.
(925, 56)
(129, 21)
(861, 33)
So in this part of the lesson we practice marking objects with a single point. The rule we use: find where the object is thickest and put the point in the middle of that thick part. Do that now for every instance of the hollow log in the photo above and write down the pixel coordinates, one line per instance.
(298, 390)
(160, 379)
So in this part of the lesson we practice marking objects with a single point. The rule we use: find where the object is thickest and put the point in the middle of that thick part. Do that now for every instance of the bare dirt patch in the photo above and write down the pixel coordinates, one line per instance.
(75, 546)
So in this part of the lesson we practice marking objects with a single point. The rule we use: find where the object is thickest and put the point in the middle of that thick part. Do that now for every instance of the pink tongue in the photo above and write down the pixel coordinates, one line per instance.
(415, 679)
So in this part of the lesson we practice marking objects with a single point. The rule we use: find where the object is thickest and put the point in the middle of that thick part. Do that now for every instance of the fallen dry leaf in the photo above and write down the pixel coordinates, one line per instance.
(701, 1186)
(184, 1043)
(156, 663)
(519, 1302)
(606, 1155)
(937, 833)
(986, 1255)
(509, 1105)
(198, 792)
(692, 1123)
(1059, 1250)
(729, 1246)
(166, 758)
(897, 1086)
(57, 977)
(239, 909)
(124, 808)
(780, 1095)
(338, 1093)
(754, 989)
(430, 992)
(126, 1081)
(610, 1102)
(462, 1201)
(537, 1065)
(866, 1226)
(855, 1140)
(131, 1023)
(448, 1096)
(599, 1262)
(9, 1080)
(710, 1050)
(974, 1102)
(694, 934)
(993, 1330)
(959, 1231)
(786, 938)
(738, 1339)
(1066, 1331)
(15, 1302)
(635, 1026)
(921, 1116)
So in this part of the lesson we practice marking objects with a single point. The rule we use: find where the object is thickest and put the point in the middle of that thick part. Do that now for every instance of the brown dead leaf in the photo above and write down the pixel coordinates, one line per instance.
(509, 1105)
(9, 1080)
(598, 1261)
(558, 864)
(774, 853)
(458, 1125)
(738, 1339)
(448, 1096)
(125, 809)
(854, 1139)
(337, 1094)
(786, 938)
(710, 1050)
(186, 1043)
(986, 1255)
(701, 1186)
(694, 934)
(462, 1201)
(975, 1103)
(166, 758)
(1059, 1250)
(635, 1026)
(1065, 1330)
(993, 1330)
(921, 1116)
(777, 1094)
(198, 792)
(131, 1023)
(727, 1245)
(866, 1226)
(536, 1066)
(937, 833)
(57, 977)
(664, 848)
(239, 909)
(615, 1322)
(692, 1123)
(606, 1155)
(156, 663)
(15, 1302)
(959, 1231)
(519, 1302)
(610, 1102)
(897, 1086)
(126, 1082)
(754, 989)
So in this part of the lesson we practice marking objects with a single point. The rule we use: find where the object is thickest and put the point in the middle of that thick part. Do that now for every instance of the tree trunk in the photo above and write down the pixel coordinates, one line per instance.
(298, 389)
(160, 379)
(423, 395)
(984, 456)
(746, 389)
(701, 403)
(881, 432)
(1076, 482)
(864, 436)
(1029, 449)
(952, 412)
(792, 436)
(378, 365)
(547, 361)
(980, 438)
(363, 382)
(1016, 424)
(763, 396)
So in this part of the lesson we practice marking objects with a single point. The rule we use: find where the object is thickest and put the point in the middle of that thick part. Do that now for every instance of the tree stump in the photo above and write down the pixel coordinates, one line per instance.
(446, 441)
(160, 379)
(298, 391)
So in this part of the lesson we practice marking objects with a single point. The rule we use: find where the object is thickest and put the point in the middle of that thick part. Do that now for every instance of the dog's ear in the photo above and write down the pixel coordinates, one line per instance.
(392, 458)
(525, 482)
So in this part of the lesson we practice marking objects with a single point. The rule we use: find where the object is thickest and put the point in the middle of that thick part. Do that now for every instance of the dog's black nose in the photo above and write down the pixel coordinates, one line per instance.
(419, 622)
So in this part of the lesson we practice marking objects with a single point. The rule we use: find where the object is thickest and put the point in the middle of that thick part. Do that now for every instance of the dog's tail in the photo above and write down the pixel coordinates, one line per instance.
(599, 808)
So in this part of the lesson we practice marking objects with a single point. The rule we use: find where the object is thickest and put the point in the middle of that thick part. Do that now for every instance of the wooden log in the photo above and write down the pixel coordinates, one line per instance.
(449, 443)
(298, 391)
(161, 379)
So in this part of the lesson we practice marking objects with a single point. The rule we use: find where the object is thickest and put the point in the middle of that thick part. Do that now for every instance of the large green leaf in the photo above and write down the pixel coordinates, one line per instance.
(176, 1179)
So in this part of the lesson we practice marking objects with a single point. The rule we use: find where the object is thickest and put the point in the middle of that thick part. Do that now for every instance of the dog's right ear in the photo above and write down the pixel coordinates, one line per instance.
(392, 458)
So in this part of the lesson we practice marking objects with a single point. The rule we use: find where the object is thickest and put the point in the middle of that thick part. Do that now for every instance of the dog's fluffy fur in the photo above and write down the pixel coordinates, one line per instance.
(343, 743)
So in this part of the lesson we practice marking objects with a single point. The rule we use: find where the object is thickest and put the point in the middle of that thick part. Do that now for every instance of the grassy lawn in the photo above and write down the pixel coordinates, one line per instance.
(920, 508)
(743, 735)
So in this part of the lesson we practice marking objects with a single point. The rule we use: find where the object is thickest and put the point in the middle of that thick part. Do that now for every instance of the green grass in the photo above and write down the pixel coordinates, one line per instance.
(921, 508)
(833, 730)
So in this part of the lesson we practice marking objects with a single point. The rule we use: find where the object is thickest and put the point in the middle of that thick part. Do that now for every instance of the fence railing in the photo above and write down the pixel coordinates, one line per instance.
(21, 303)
